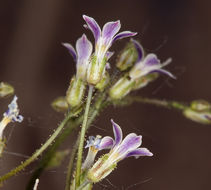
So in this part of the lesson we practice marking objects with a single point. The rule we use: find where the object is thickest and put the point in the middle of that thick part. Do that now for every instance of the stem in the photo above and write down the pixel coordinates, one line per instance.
(70, 165)
(39, 151)
(85, 183)
(162, 103)
(82, 136)
(98, 106)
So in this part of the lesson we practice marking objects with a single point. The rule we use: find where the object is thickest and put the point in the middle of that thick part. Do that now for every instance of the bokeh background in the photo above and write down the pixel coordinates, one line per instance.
(34, 62)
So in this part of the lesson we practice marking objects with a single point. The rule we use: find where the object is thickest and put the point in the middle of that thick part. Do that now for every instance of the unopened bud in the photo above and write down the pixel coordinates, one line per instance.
(95, 71)
(127, 57)
(200, 105)
(144, 81)
(75, 92)
(121, 88)
(199, 111)
(6, 90)
(60, 104)
(104, 82)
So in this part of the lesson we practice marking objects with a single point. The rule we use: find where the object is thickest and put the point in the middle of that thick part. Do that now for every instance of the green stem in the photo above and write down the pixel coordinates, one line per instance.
(82, 136)
(162, 103)
(39, 151)
(71, 125)
(81, 187)
(70, 165)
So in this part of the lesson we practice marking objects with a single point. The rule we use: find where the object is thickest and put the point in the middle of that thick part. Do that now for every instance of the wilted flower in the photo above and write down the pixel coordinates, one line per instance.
(120, 150)
(199, 111)
(103, 41)
(96, 144)
(11, 115)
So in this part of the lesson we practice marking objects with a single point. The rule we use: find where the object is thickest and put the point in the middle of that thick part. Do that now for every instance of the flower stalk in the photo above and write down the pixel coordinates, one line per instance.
(82, 136)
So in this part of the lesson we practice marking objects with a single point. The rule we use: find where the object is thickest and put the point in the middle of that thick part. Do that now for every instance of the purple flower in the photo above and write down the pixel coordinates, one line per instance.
(81, 55)
(148, 64)
(120, 150)
(105, 38)
(103, 41)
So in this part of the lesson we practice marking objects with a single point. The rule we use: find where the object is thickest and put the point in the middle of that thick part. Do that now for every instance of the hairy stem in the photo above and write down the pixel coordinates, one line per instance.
(39, 151)
(82, 136)
(162, 103)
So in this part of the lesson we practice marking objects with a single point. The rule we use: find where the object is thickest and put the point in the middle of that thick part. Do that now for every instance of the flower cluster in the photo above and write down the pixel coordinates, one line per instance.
(119, 149)
(91, 67)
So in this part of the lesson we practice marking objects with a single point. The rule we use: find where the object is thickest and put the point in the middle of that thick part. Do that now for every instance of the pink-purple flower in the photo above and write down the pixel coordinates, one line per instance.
(103, 40)
(120, 149)
(148, 64)
(81, 55)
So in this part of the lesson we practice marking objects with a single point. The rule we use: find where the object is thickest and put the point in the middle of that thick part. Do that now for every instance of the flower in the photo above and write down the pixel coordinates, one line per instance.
(81, 56)
(148, 64)
(144, 71)
(103, 41)
(120, 150)
(96, 144)
(199, 111)
(11, 115)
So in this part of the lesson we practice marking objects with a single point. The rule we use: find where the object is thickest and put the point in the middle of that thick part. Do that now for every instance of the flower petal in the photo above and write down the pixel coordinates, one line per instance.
(130, 143)
(106, 143)
(163, 71)
(151, 60)
(109, 31)
(139, 152)
(117, 133)
(124, 34)
(139, 49)
(71, 50)
(83, 48)
(93, 26)
(109, 54)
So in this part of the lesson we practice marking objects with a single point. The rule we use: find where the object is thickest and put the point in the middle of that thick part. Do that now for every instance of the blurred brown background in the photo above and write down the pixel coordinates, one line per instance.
(34, 62)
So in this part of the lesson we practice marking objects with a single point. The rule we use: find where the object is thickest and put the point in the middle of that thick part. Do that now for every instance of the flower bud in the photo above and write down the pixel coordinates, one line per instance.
(200, 105)
(121, 88)
(60, 104)
(144, 81)
(104, 82)
(75, 92)
(127, 57)
(199, 117)
(199, 111)
(6, 90)
(95, 71)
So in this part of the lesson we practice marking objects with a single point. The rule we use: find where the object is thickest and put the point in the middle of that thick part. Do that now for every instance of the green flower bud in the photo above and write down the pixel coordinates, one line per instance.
(104, 82)
(127, 57)
(199, 111)
(121, 88)
(60, 104)
(75, 92)
(200, 105)
(6, 90)
(145, 80)
(203, 117)
(95, 71)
